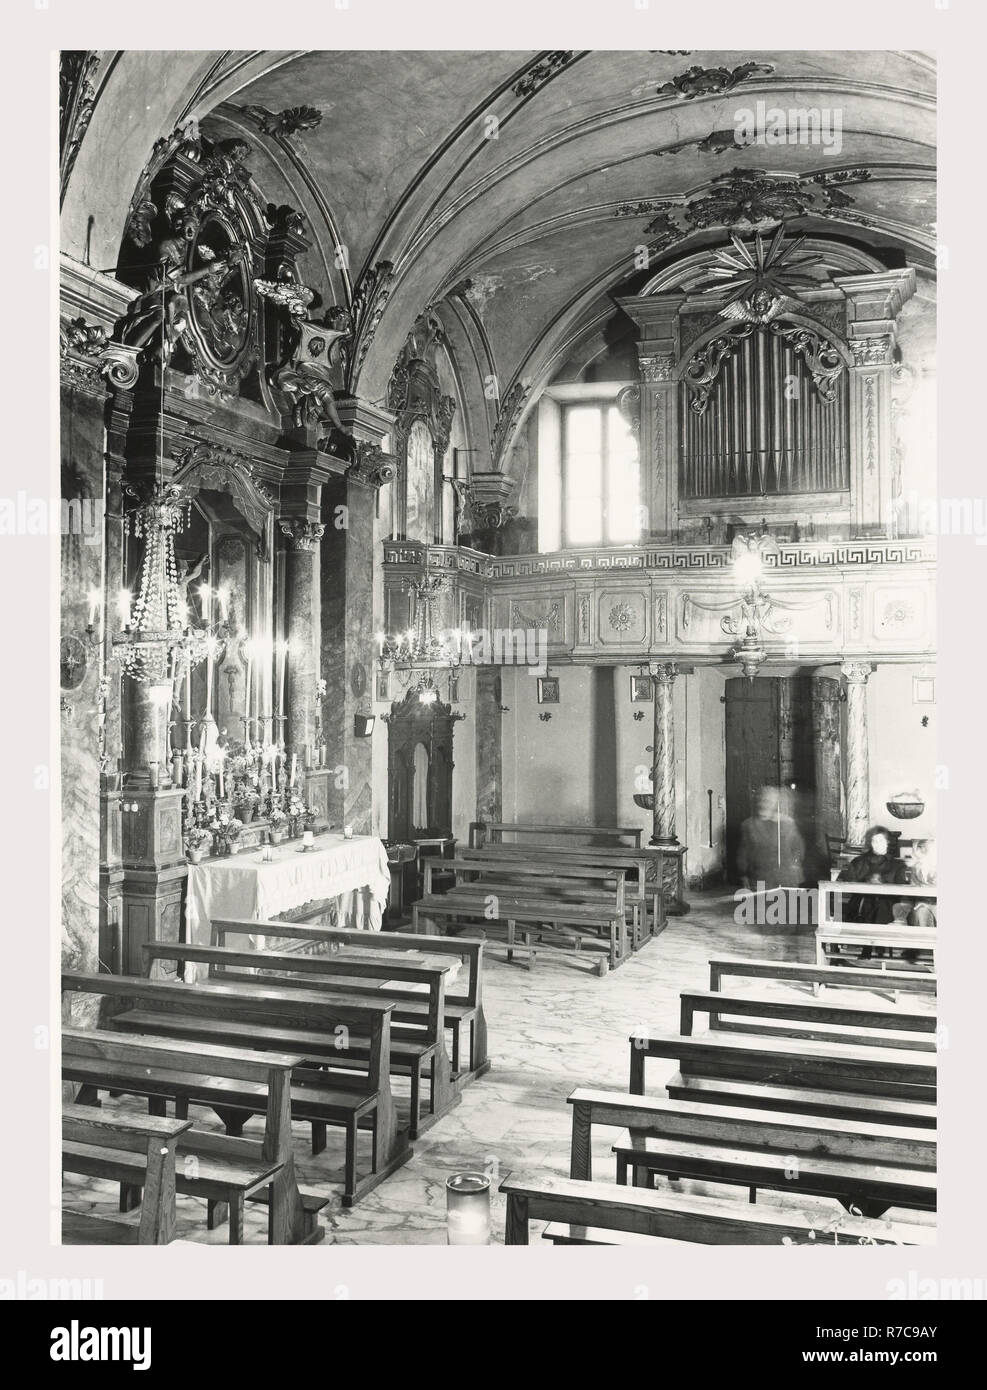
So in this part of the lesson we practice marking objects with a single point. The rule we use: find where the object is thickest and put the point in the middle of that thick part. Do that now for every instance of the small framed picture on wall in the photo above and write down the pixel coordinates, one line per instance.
(383, 685)
(548, 690)
(640, 689)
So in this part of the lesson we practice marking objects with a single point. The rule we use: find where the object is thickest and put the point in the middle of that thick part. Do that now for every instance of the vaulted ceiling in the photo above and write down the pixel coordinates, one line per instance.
(512, 190)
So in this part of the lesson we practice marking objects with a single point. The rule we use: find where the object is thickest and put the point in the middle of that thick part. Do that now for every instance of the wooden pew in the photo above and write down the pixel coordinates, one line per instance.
(599, 1208)
(816, 976)
(463, 1003)
(867, 1166)
(881, 1027)
(345, 1099)
(832, 931)
(876, 1084)
(414, 1047)
(528, 912)
(565, 880)
(147, 1142)
(487, 830)
(642, 867)
(227, 1169)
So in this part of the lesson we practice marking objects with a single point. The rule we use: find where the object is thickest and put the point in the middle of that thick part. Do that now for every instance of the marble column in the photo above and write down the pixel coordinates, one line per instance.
(663, 768)
(303, 615)
(857, 757)
(489, 748)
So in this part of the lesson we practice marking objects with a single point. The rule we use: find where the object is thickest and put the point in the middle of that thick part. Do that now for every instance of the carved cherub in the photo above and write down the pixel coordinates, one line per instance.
(305, 378)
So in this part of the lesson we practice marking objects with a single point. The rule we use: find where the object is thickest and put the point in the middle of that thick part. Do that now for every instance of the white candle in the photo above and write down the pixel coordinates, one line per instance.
(198, 778)
(188, 702)
(221, 777)
(246, 701)
(123, 607)
(283, 651)
(94, 602)
(205, 593)
(210, 653)
(294, 761)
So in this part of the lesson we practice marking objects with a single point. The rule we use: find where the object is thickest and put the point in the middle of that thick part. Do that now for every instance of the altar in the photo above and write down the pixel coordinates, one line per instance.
(352, 873)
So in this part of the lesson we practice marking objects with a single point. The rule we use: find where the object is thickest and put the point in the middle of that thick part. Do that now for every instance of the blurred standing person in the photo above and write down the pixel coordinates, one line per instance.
(771, 851)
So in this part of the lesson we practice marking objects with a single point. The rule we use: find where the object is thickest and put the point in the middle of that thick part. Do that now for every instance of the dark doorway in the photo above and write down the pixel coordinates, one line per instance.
(769, 742)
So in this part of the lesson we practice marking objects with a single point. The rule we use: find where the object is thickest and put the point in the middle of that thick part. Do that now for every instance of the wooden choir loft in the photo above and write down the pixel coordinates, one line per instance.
(506, 626)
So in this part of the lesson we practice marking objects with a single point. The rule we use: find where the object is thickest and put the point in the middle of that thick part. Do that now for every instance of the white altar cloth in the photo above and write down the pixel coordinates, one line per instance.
(354, 872)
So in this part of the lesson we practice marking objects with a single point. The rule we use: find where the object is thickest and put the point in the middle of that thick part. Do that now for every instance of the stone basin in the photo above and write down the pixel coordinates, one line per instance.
(646, 800)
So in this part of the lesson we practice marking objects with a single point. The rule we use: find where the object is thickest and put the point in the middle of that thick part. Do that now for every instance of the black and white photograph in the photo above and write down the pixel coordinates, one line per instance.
(497, 779)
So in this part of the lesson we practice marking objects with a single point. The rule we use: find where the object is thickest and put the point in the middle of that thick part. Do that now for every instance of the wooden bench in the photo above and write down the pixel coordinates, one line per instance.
(816, 976)
(486, 830)
(578, 922)
(642, 869)
(834, 932)
(565, 880)
(463, 1003)
(870, 1167)
(856, 1024)
(225, 1170)
(148, 1142)
(414, 1047)
(601, 1207)
(874, 1084)
(350, 1100)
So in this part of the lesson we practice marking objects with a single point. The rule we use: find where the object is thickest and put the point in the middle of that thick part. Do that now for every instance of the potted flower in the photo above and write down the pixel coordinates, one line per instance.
(296, 811)
(278, 822)
(228, 830)
(197, 841)
(245, 804)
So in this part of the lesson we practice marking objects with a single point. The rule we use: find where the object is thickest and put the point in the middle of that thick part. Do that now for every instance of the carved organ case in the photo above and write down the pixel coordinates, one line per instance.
(766, 373)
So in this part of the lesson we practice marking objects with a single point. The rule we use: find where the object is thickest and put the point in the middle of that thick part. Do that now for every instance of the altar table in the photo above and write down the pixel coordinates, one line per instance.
(354, 873)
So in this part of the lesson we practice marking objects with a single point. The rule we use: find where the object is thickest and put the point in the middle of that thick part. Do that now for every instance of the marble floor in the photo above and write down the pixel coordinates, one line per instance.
(551, 1029)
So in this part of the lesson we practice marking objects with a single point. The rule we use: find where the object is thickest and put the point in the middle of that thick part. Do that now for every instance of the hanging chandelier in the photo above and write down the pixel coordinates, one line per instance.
(421, 646)
(754, 618)
(157, 646)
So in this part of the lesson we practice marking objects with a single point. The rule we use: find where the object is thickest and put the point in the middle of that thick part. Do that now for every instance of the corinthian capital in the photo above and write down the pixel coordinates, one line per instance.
(856, 672)
(304, 535)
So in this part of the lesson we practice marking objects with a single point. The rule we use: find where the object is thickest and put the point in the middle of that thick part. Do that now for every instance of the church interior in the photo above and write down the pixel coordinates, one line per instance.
(497, 616)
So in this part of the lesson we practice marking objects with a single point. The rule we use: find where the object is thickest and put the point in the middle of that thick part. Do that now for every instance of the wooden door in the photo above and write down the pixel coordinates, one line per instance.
(752, 753)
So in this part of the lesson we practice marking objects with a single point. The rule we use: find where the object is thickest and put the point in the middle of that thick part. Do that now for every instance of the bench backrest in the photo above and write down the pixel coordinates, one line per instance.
(536, 878)
(800, 1016)
(498, 829)
(339, 973)
(699, 1220)
(294, 1008)
(849, 977)
(470, 952)
(749, 1128)
(136, 1053)
(792, 1062)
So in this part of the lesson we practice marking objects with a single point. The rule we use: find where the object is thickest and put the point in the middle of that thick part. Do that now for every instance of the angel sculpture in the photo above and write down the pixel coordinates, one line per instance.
(763, 281)
(306, 377)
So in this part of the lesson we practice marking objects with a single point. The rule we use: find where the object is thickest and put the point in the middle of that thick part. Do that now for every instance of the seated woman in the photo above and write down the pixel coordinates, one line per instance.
(873, 865)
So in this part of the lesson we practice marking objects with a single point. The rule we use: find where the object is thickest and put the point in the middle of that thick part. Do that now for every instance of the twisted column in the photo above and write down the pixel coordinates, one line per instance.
(857, 756)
